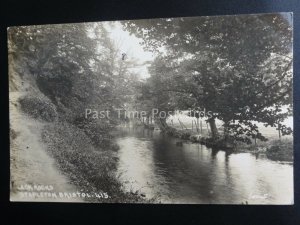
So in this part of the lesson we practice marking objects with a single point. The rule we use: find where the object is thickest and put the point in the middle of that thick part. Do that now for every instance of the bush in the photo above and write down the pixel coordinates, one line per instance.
(185, 135)
(280, 150)
(195, 138)
(39, 108)
(97, 130)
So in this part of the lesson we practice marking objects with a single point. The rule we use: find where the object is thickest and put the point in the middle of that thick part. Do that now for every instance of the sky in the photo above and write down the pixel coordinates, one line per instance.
(130, 45)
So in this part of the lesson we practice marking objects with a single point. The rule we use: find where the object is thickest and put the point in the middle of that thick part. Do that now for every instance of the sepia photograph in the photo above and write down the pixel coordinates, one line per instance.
(186, 110)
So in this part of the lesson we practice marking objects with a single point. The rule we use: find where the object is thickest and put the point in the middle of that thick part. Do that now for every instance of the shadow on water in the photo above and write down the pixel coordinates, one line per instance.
(153, 163)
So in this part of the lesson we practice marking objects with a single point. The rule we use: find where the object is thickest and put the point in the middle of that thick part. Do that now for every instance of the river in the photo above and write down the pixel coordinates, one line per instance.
(157, 166)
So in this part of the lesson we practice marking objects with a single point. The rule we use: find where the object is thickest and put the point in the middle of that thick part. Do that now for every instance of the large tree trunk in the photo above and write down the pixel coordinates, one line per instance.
(162, 123)
(213, 128)
(228, 141)
(226, 133)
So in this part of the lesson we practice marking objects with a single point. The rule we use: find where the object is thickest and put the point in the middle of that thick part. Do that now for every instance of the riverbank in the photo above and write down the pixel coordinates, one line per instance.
(197, 138)
(90, 168)
(274, 149)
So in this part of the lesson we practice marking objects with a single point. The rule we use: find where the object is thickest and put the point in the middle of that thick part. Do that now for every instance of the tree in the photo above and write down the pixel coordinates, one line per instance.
(241, 65)
(78, 67)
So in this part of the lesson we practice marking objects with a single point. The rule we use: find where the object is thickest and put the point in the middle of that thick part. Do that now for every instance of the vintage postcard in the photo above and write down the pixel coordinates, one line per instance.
(190, 110)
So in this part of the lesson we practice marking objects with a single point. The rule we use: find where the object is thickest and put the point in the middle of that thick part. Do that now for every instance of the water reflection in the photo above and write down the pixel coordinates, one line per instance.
(152, 163)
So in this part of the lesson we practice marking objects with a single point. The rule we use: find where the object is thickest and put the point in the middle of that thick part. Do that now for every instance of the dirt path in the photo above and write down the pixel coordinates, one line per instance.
(34, 174)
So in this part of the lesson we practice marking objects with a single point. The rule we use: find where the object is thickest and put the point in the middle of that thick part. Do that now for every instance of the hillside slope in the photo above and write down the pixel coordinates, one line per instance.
(31, 165)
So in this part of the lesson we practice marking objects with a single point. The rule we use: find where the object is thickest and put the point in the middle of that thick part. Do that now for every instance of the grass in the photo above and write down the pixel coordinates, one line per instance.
(274, 149)
(91, 169)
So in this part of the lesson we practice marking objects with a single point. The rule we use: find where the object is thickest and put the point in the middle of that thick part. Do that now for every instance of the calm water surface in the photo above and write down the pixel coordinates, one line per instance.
(152, 163)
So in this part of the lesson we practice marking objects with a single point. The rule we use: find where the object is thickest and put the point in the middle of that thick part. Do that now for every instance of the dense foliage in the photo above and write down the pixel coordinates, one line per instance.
(78, 67)
(238, 67)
